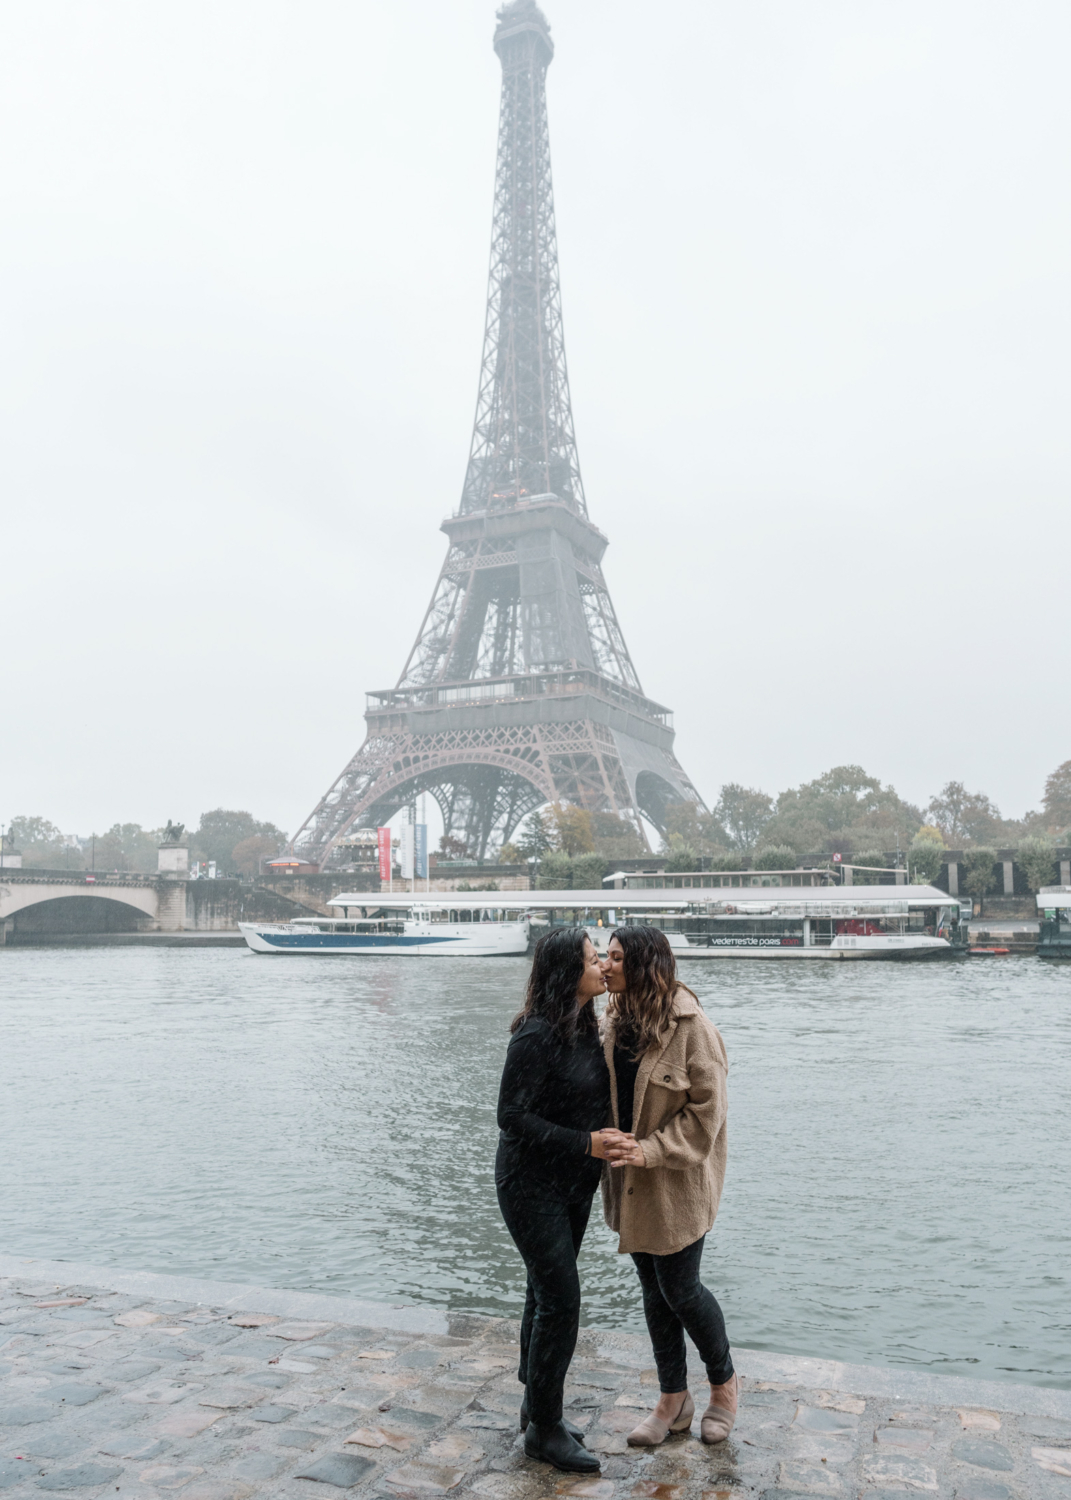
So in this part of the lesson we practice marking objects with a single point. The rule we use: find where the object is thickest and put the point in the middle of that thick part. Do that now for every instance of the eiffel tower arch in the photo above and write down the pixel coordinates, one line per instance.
(519, 689)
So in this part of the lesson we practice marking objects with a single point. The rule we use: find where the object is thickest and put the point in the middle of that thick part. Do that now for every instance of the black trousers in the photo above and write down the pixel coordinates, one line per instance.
(547, 1229)
(676, 1302)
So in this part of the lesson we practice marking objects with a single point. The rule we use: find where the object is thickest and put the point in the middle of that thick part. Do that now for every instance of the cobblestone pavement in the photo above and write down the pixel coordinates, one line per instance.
(106, 1392)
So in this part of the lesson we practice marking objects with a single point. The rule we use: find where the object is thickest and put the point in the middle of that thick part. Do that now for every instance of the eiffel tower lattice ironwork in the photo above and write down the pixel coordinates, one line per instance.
(520, 689)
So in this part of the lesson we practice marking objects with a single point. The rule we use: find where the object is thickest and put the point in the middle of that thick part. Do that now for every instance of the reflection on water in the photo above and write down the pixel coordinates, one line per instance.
(899, 1185)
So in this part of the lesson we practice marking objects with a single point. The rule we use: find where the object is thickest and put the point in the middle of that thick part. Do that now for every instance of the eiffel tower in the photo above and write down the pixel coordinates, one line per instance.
(520, 689)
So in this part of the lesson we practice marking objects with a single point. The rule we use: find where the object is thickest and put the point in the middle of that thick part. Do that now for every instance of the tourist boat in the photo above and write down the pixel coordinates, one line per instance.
(830, 922)
(419, 926)
(1054, 921)
(821, 922)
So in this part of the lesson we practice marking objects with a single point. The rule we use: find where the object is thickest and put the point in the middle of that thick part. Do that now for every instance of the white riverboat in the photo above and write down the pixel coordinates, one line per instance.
(419, 926)
(820, 922)
(828, 922)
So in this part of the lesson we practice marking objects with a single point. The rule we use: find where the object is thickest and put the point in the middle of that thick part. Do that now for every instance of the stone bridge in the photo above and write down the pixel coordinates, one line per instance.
(41, 906)
(43, 903)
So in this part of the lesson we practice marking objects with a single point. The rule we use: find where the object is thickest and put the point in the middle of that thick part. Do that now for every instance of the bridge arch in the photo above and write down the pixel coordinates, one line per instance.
(49, 907)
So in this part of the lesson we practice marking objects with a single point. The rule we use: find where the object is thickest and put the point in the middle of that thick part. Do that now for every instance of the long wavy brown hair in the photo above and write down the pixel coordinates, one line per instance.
(641, 1012)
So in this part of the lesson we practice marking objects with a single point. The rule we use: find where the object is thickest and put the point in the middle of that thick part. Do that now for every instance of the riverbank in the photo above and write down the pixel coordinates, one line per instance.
(148, 1385)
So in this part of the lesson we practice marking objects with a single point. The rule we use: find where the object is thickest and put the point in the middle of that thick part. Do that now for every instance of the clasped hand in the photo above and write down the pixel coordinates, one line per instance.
(619, 1147)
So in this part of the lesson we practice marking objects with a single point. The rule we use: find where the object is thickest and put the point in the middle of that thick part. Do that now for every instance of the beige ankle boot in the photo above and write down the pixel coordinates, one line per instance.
(654, 1431)
(718, 1419)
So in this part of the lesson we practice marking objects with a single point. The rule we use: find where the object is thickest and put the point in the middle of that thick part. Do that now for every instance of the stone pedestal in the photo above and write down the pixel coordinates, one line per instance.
(173, 866)
(172, 859)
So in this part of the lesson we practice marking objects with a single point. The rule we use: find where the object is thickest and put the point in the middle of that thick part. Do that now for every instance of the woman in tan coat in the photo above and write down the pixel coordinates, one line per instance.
(660, 1193)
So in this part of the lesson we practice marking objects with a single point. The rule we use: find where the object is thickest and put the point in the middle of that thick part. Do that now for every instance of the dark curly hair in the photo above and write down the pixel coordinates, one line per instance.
(557, 967)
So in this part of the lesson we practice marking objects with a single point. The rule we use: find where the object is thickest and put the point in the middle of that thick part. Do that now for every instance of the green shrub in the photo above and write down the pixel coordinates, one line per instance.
(726, 860)
(1037, 859)
(924, 860)
(588, 870)
(980, 877)
(555, 873)
(682, 858)
(776, 857)
(875, 862)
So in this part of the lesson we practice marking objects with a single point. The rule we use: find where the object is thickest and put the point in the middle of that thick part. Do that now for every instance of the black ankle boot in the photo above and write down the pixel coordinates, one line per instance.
(575, 1432)
(554, 1446)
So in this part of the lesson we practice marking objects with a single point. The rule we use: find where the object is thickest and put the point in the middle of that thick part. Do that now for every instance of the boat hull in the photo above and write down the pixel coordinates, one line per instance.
(419, 940)
(841, 949)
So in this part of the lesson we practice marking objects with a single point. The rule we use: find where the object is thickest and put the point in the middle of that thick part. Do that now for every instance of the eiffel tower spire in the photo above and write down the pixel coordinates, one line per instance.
(522, 439)
(519, 689)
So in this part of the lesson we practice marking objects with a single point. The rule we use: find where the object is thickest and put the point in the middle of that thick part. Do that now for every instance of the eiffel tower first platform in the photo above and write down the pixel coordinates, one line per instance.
(520, 689)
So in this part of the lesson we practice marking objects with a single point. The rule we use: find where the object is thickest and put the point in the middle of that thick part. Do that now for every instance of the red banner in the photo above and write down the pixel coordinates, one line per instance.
(383, 842)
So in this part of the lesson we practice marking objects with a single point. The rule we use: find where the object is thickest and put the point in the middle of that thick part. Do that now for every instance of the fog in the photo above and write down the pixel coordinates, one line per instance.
(815, 282)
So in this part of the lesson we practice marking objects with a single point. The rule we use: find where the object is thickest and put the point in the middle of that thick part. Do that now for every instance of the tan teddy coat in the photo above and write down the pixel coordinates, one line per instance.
(679, 1118)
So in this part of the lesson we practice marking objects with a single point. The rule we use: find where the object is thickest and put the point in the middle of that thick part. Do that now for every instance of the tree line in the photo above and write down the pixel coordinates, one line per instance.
(845, 811)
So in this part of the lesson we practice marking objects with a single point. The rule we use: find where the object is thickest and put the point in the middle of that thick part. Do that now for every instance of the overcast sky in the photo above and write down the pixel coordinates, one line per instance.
(815, 280)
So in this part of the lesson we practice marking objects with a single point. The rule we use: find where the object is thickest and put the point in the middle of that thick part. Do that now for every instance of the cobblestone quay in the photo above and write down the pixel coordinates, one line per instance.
(144, 1385)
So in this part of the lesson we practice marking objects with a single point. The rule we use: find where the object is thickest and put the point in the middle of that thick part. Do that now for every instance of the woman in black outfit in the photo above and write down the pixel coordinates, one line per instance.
(554, 1099)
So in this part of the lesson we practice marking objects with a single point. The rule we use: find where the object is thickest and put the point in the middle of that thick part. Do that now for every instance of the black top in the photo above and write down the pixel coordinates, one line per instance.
(553, 1095)
(625, 1069)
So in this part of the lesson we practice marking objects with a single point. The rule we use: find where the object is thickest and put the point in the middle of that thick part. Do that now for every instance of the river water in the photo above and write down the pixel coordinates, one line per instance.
(899, 1187)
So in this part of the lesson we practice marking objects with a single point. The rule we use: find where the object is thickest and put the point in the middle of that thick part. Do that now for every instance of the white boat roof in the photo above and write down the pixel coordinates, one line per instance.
(520, 900)
(1053, 896)
(667, 901)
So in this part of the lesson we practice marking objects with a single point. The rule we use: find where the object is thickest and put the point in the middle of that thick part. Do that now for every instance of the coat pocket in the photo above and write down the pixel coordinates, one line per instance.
(668, 1076)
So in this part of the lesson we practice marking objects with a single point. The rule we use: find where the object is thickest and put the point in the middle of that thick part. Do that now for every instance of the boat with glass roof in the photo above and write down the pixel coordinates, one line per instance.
(817, 922)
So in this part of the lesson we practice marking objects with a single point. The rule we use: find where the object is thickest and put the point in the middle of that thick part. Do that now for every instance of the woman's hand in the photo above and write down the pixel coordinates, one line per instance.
(626, 1151)
(605, 1143)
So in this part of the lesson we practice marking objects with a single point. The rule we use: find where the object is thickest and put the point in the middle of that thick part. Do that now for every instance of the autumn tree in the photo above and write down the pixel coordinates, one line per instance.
(615, 837)
(1057, 798)
(964, 817)
(574, 828)
(743, 813)
(247, 854)
(223, 829)
(126, 846)
(688, 826)
(842, 810)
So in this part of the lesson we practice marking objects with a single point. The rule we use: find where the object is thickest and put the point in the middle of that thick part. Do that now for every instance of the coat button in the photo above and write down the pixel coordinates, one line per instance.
(666, 1079)
(630, 1192)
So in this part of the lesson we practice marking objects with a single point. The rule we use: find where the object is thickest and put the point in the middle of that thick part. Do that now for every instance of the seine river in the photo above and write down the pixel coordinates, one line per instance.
(899, 1187)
